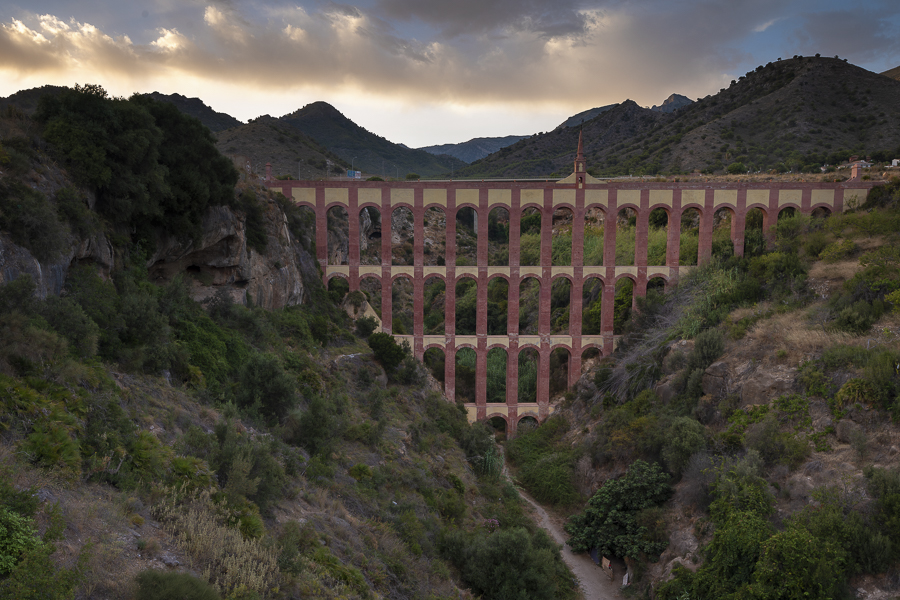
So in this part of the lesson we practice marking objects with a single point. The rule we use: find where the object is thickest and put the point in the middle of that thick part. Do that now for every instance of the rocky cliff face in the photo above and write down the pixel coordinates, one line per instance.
(220, 260)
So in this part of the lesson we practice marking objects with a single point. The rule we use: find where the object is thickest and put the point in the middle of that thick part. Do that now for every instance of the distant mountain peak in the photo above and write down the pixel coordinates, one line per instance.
(672, 103)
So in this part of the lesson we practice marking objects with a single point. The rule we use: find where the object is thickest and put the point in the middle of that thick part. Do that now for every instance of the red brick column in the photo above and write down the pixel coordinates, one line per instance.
(806, 200)
(353, 254)
(450, 367)
(578, 230)
(739, 222)
(770, 218)
(482, 262)
(418, 272)
(642, 230)
(512, 372)
(673, 231)
(545, 262)
(386, 260)
(543, 380)
(609, 262)
(481, 376)
(321, 228)
(515, 225)
(575, 362)
(706, 228)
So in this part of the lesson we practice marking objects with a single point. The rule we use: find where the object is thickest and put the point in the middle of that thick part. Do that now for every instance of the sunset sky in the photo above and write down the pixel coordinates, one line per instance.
(423, 72)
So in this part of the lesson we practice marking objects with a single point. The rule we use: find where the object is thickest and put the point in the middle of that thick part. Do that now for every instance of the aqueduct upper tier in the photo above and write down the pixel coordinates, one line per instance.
(586, 198)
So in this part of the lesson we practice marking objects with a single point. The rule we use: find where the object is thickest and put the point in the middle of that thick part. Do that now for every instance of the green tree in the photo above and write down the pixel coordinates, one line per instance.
(609, 523)
(387, 351)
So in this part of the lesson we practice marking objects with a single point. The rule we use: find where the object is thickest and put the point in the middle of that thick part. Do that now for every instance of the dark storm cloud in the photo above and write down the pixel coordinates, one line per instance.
(548, 18)
(863, 34)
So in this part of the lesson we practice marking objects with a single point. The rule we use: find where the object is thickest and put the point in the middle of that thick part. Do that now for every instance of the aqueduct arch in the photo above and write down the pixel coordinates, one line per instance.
(526, 211)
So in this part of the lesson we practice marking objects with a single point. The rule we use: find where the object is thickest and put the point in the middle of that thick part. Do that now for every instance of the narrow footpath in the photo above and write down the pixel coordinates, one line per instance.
(594, 584)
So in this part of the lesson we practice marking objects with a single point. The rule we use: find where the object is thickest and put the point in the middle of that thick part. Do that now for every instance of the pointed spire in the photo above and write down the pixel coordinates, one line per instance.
(579, 157)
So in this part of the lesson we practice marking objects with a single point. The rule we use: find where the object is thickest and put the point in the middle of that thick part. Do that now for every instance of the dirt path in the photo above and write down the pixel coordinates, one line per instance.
(593, 583)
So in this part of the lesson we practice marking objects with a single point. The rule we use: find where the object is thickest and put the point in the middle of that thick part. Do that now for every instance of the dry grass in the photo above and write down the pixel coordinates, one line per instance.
(838, 271)
(799, 337)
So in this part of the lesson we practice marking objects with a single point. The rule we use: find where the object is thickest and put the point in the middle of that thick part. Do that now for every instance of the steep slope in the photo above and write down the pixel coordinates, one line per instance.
(672, 103)
(368, 152)
(291, 153)
(475, 148)
(196, 108)
(585, 115)
(892, 73)
(788, 115)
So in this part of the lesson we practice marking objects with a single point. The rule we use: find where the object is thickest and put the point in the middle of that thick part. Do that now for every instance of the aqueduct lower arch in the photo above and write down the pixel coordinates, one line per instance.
(579, 193)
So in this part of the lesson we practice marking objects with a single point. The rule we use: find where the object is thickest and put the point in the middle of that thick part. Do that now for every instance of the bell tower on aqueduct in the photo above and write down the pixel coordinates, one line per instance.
(587, 202)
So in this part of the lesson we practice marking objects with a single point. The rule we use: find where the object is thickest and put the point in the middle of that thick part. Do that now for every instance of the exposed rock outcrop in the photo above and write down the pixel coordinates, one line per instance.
(222, 260)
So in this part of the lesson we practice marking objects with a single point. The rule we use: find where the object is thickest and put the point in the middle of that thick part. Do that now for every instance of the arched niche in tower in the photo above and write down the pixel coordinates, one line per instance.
(561, 240)
(657, 236)
(594, 225)
(529, 305)
(591, 306)
(466, 236)
(466, 306)
(402, 306)
(624, 300)
(530, 238)
(498, 237)
(496, 375)
(434, 306)
(402, 236)
(626, 220)
(497, 306)
(560, 359)
(723, 230)
(560, 300)
(338, 236)
(465, 375)
(689, 248)
(529, 367)
(369, 236)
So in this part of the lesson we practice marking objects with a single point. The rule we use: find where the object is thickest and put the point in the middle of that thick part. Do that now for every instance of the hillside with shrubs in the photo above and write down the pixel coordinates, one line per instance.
(153, 446)
(742, 441)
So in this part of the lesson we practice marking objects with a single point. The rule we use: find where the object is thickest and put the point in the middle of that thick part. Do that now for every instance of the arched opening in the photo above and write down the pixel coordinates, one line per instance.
(433, 306)
(303, 222)
(820, 212)
(529, 304)
(626, 221)
(338, 236)
(369, 236)
(657, 236)
(434, 359)
(788, 212)
(497, 306)
(466, 306)
(561, 246)
(498, 424)
(530, 238)
(498, 237)
(689, 248)
(435, 237)
(529, 362)
(402, 306)
(370, 286)
(656, 291)
(754, 233)
(560, 299)
(338, 289)
(466, 236)
(496, 375)
(465, 375)
(559, 371)
(723, 229)
(402, 236)
(591, 306)
(623, 303)
(594, 219)
(526, 423)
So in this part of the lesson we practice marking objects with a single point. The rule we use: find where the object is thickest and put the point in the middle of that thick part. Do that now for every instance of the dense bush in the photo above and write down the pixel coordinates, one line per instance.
(160, 585)
(387, 351)
(609, 522)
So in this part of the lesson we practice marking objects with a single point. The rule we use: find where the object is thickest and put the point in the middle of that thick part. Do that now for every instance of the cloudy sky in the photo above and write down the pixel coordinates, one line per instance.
(425, 72)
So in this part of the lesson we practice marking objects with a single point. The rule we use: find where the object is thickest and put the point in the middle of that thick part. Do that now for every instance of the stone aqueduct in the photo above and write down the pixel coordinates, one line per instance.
(579, 193)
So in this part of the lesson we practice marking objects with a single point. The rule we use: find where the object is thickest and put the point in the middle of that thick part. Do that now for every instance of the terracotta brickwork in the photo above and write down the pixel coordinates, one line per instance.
(578, 193)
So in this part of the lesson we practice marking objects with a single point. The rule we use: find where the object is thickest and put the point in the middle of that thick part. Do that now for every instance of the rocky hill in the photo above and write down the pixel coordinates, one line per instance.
(794, 114)
(672, 103)
(195, 107)
(473, 149)
(369, 152)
